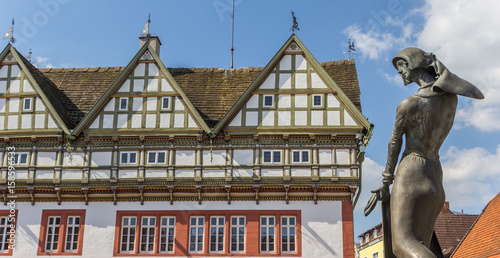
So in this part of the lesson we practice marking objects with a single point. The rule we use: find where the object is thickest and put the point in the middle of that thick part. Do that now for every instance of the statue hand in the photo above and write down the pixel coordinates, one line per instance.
(381, 194)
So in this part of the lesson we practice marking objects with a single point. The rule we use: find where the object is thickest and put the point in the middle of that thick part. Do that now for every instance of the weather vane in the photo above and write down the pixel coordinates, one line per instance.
(351, 48)
(10, 33)
(295, 23)
(145, 31)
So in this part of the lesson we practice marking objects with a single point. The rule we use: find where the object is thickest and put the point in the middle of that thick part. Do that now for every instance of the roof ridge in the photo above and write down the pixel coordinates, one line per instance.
(80, 69)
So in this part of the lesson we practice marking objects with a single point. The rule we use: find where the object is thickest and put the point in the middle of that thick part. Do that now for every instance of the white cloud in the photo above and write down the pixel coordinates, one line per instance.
(42, 62)
(395, 79)
(464, 36)
(471, 177)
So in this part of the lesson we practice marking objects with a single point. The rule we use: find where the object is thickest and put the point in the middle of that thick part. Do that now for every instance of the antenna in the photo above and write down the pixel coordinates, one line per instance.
(10, 33)
(232, 38)
(351, 48)
(295, 25)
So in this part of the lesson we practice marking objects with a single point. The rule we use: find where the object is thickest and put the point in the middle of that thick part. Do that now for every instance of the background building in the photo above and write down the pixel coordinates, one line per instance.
(148, 160)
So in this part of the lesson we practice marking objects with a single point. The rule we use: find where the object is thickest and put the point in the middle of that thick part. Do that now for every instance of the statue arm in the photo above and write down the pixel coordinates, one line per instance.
(396, 140)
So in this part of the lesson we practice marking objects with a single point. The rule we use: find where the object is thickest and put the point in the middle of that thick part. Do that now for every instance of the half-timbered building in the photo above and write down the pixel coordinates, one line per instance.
(145, 160)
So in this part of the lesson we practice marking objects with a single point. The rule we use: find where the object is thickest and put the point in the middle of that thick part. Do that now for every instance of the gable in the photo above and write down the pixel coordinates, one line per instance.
(145, 98)
(23, 105)
(292, 93)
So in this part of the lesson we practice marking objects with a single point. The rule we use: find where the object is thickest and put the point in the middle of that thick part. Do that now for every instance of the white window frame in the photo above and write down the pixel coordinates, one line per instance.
(169, 101)
(72, 229)
(301, 156)
(375, 255)
(236, 225)
(120, 104)
(148, 227)
(167, 234)
(18, 157)
(5, 226)
(199, 238)
(156, 157)
(130, 226)
(321, 100)
(128, 154)
(267, 226)
(273, 160)
(53, 231)
(264, 101)
(289, 236)
(220, 223)
(30, 108)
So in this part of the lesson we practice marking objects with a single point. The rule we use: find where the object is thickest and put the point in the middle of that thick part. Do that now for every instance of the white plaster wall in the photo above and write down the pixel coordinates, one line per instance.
(136, 121)
(300, 117)
(111, 105)
(3, 86)
(22, 174)
(138, 85)
(321, 224)
(285, 81)
(300, 80)
(268, 118)
(13, 104)
(39, 105)
(184, 173)
(242, 172)
(325, 172)
(178, 120)
(271, 172)
(127, 174)
(94, 124)
(214, 173)
(15, 86)
(316, 81)
(39, 121)
(325, 156)
(252, 119)
(155, 173)
(343, 172)
(164, 120)
(300, 100)
(284, 118)
(26, 121)
(317, 118)
(300, 62)
(140, 70)
(77, 159)
(121, 122)
(45, 174)
(284, 101)
(71, 174)
(125, 87)
(153, 70)
(300, 172)
(286, 62)
(191, 122)
(152, 85)
(4, 71)
(342, 156)
(102, 158)
(46, 159)
(107, 121)
(165, 86)
(2, 104)
(236, 120)
(178, 104)
(333, 118)
(136, 104)
(151, 104)
(150, 120)
(269, 83)
(100, 174)
(243, 157)
(50, 122)
(332, 101)
(185, 157)
(27, 86)
(253, 102)
(2, 121)
(214, 157)
(348, 120)
(15, 71)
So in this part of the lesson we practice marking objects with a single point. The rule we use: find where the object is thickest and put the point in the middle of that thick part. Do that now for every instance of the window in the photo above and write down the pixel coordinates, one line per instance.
(128, 234)
(156, 157)
(217, 225)
(167, 229)
(27, 104)
(268, 100)
(128, 158)
(6, 220)
(375, 255)
(300, 156)
(148, 234)
(271, 156)
(123, 104)
(196, 229)
(238, 224)
(61, 232)
(267, 226)
(165, 103)
(288, 234)
(20, 159)
(317, 100)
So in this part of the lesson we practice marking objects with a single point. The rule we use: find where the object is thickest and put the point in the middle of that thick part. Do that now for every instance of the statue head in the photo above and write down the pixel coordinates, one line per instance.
(411, 59)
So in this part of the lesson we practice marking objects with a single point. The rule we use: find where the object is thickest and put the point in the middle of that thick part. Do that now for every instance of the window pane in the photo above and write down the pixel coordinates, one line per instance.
(305, 156)
(123, 103)
(267, 156)
(268, 100)
(296, 156)
(152, 157)
(124, 158)
(133, 158)
(161, 157)
(277, 156)
(165, 103)
(24, 158)
(317, 100)
(27, 104)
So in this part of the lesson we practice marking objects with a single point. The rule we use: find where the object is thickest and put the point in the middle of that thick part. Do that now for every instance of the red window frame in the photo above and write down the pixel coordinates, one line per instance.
(182, 227)
(6, 213)
(64, 214)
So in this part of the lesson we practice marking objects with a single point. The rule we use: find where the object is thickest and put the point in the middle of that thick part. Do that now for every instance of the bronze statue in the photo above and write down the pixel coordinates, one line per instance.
(425, 118)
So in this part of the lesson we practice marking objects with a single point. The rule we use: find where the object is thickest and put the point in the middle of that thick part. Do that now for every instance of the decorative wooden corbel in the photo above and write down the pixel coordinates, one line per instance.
(85, 190)
(58, 193)
(114, 188)
(141, 193)
(228, 190)
(315, 188)
(171, 191)
(198, 189)
(353, 189)
(31, 191)
(312, 137)
(333, 137)
(287, 188)
(115, 138)
(256, 188)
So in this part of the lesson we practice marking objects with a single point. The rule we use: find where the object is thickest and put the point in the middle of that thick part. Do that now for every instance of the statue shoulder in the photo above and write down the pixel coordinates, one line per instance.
(408, 105)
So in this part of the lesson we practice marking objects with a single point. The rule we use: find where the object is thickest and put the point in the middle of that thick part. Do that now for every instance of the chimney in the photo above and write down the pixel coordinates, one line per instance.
(154, 41)
(446, 209)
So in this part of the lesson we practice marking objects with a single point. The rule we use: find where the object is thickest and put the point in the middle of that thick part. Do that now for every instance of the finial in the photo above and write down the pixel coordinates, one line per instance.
(232, 38)
(10, 33)
(295, 23)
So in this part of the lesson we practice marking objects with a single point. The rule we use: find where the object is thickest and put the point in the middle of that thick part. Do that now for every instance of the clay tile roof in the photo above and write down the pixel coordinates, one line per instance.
(82, 86)
(212, 91)
(483, 239)
(451, 228)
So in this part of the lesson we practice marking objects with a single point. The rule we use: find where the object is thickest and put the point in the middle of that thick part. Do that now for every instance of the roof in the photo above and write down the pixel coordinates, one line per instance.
(212, 91)
(450, 230)
(483, 239)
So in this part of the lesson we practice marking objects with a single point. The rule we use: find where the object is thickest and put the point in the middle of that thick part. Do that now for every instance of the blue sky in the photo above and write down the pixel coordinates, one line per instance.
(462, 34)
